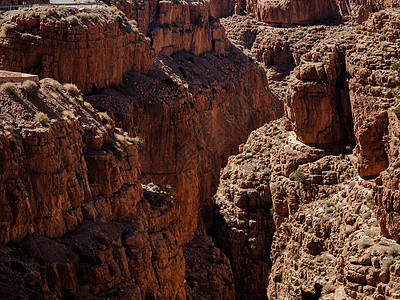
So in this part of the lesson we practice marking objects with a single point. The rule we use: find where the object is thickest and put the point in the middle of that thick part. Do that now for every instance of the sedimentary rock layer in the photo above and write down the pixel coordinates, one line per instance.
(92, 48)
(192, 112)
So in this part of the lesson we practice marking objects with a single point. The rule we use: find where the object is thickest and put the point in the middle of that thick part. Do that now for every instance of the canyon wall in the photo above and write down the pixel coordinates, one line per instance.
(209, 104)
(71, 187)
(192, 112)
(62, 155)
(92, 49)
(174, 26)
(317, 102)
(334, 208)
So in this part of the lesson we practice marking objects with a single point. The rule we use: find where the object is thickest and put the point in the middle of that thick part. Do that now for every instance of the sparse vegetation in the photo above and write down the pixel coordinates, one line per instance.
(31, 88)
(55, 84)
(253, 243)
(72, 20)
(42, 118)
(296, 256)
(328, 289)
(392, 251)
(9, 88)
(267, 171)
(83, 16)
(396, 67)
(104, 118)
(138, 141)
(120, 20)
(387, 262)
(112, 147)
(5, 29)
(94, 17)
(365, 243)
(287, 227)
(367, 215)
(72, 89)
(298, 175)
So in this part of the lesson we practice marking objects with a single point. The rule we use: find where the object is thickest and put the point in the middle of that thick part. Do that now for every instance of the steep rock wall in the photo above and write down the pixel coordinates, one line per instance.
(317, 103)
(72, 210)
(63, 156)
(68, 45)
(174, 26)
(192, 112)
(375, 98)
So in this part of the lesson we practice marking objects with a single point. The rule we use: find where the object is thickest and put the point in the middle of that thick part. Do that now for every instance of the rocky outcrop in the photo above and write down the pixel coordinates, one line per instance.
(280, 50)
(327, 241)
(317, 103)
(72, 205)
(175, 26)
(192, 112)
(139, 258)
(55, 170)
(187, 26)
(69, 44)
(296, 11)
(374, 90)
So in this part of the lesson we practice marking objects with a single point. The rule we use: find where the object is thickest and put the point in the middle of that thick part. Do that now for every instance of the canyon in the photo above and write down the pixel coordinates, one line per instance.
(201, 150)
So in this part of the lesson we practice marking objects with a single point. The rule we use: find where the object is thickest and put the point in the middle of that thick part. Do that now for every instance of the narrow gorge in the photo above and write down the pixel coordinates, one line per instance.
(201, 149)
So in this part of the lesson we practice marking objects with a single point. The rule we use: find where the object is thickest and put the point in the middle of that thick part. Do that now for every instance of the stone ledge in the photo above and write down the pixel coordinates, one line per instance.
(8, 76)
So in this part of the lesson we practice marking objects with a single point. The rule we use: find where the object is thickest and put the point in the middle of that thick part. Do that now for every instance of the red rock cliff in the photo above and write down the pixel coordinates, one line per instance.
(92, 49)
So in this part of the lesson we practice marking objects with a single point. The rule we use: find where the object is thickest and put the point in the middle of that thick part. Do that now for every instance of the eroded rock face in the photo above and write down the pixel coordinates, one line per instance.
(208, 270)
(71, 192)
(47, 186)
(139, 258)
(310, 12)
(296, 11)
(317, 103)
(68, 45)
(192, 112)
(374, 94)
(183, 25)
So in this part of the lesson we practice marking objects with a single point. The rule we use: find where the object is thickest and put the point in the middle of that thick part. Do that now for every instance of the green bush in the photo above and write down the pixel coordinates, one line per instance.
(112, 147)
(138, 141)
(83, 16)
(328, 289)
(253, 243)
(395, 67)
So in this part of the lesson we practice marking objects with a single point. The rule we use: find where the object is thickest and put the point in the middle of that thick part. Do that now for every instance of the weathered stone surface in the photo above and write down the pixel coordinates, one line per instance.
(296, 11)
(68, 45)
(191, 123)
(45, 175)
(317, 103)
